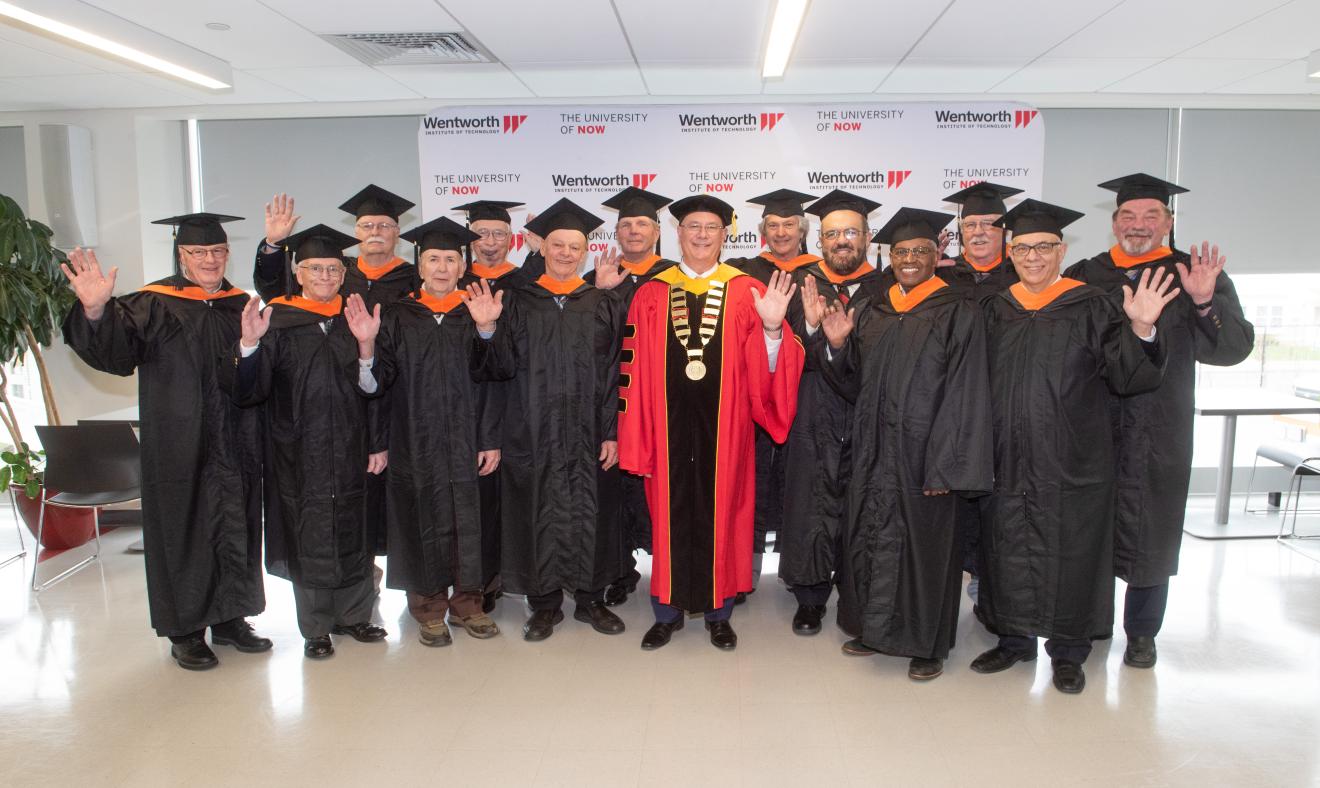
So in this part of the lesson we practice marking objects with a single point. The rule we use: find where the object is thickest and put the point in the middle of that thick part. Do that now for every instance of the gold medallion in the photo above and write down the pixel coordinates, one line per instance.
(695, 370)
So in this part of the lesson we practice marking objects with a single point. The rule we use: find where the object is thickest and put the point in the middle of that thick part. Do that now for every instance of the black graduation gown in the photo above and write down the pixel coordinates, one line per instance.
(559, 510)
(1154, 430)
(817, 454)
(1046, 550)
(632, 488)
(983, 284)
(201, 453)
(431, 374)
(922, 422)
(316, 446)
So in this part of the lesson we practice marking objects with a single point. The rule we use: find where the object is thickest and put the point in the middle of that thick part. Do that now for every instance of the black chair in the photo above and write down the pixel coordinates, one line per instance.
(91, 465)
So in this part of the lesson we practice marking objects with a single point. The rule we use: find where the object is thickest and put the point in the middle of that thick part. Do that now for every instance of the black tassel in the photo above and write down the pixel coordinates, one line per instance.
(291, 286)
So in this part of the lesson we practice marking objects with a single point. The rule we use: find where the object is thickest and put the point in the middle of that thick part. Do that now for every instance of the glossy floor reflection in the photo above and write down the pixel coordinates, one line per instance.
(89, 697)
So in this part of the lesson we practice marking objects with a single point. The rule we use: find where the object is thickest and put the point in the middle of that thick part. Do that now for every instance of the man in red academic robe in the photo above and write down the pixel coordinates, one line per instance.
(706, 355)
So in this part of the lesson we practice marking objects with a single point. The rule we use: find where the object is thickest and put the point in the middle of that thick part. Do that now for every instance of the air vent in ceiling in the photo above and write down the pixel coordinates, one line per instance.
(410, 49)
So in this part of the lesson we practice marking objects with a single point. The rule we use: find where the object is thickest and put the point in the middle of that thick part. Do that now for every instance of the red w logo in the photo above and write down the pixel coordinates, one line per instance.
(1023, 117)
(516, 242)
(769, 119)
(643, 180)
(513, 122)
(896, 177)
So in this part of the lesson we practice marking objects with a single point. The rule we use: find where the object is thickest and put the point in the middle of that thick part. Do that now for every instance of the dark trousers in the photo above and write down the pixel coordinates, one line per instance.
(555, 599)
(319, 609)
(1143, 610)
(817, 594)
(668, 614)
(1067, 650)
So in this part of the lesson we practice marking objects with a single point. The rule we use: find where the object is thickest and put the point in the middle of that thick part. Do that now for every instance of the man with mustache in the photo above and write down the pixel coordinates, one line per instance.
(982, 263)
(920, 438)
(813, 491)
(1205, 324)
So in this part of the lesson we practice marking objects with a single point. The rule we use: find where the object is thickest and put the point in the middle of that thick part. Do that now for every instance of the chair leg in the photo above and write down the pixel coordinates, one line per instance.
(36, 551)
(96, 529)
(1246, 505)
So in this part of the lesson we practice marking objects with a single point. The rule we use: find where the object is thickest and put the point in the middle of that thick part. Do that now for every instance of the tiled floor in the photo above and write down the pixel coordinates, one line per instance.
(89, 697)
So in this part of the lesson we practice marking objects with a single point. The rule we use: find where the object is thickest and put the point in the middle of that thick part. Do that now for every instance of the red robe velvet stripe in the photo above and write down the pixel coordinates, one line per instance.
(748, 394)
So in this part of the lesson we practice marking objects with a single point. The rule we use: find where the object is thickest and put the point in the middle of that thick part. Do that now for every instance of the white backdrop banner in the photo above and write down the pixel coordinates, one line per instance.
(906, 154)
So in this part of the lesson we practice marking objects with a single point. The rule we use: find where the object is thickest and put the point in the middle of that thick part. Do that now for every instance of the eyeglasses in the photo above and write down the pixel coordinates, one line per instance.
(373, 226)
(214, 252)
(499, 235)
(851, 234)
(331, 271)
(1043, 248)
(905, 254)
(979, 224)
(698, 229)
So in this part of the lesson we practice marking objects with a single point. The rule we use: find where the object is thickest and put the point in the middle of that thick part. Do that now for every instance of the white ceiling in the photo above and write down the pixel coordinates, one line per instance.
(1079, 50)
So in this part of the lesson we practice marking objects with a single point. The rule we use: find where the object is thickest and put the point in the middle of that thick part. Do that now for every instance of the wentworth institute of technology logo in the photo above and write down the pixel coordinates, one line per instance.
(592, 182)
(729, 123)
(473, 124)
(825, 180)
(985, 119)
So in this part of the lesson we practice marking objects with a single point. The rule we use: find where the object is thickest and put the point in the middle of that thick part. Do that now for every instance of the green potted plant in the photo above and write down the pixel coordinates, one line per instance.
(33, 300)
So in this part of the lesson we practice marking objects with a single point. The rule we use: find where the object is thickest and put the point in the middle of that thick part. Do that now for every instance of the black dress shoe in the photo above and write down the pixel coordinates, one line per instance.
(922, 669)
(722, 635)
(616, 595)
(318, 648)
(1140, 652)
(599, 617)
(362, 632)
(658, 635)
(194, 654)
(1000, 658)
(807, 619)
(238, 633)
(541, 625)
(1068, 676)
(856, 648)
(488, 601)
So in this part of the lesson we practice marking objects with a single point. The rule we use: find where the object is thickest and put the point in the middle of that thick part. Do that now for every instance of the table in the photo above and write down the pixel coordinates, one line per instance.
(1230, 405)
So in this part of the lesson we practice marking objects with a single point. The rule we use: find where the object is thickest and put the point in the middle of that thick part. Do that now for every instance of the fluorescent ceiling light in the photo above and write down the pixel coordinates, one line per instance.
(783, 32)
(1313, 65)
(94, 41)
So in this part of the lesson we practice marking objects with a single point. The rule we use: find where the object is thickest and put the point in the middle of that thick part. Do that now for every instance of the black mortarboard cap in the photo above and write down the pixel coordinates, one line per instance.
(982, 198)
(1142, 186)
(375, 201)
(443, 233)
(487, 209)
(702, 203)
(909, 223)
(840, 200)
(782, 202)
(202, 229)
(318, 242)
(633, 201)
(564, 215)
(1034, 216)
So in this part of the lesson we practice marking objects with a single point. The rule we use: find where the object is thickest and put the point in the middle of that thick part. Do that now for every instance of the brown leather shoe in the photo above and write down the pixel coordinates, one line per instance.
(922, 669)
(541, 624)
(856, 648)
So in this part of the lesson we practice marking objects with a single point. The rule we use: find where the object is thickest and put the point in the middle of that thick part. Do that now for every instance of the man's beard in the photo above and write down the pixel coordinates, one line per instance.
(841, 266)
(1138, 245)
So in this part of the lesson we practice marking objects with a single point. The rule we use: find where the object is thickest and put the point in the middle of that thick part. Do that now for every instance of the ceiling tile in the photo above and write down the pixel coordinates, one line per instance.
(84, 91)
(378, 16)
(21, 61)
(826, 77)
(729, 31)
(459, 81)
(591, 79)
(1289, 78)
(945, 75)
(1292, 31)
(248, 89)
(352, 83)
(975, 29)
(563, 31)
(1140, 28)
(1071, 75)
(878, 29)
(701, 79)
(1191, 75)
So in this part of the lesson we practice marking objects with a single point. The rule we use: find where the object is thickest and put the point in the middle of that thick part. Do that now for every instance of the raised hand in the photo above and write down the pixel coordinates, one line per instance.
(280, 218)
(774, 304)
(533, 240)
(484, 308)
(1144, 305)
(255, 322)
(608, 272)
(838, 324)
(1198, 279)
(488, 461)
(813, 303)
(944, 238)
(91, 286)
(364, 325)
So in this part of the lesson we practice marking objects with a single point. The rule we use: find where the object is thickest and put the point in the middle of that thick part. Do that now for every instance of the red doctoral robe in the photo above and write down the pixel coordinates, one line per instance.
(693, 440)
